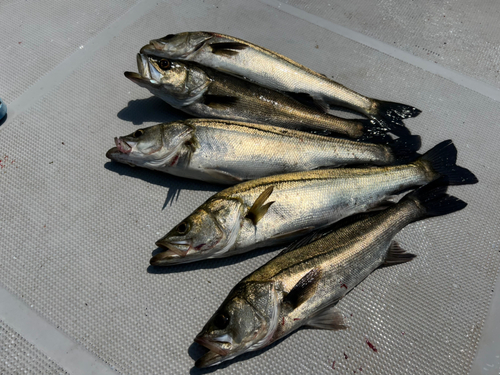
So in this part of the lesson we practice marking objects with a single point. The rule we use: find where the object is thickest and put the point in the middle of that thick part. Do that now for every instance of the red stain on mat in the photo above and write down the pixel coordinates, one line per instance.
(345, 355)
(343, 286)
(372, 347)
(333, 365)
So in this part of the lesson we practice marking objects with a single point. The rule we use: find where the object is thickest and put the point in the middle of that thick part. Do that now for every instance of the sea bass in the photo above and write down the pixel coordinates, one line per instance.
(277, 209)
(301, 286)
(204, 92)
(272, 70)
(229, 152)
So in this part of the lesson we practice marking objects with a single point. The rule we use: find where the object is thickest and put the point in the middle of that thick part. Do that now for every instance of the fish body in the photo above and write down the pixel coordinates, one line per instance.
(301, 286)
(270, 69)
(277, 209)
(204, 92)
(229, 152)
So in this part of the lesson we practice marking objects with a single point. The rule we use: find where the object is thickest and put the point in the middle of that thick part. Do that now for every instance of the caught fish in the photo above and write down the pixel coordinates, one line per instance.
(270, 69)
(229, 152)
(204, 92)
(301, 286)
(277, 209)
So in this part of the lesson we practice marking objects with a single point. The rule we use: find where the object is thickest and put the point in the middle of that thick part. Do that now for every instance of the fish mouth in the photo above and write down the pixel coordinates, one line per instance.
(173, 254)
(122, 146)
(216, 353)
(212, 345)
(112, 153)
(151, 48)
(148, 75)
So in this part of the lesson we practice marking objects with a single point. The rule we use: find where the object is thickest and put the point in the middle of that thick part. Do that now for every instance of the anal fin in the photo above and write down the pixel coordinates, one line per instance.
(396, 255)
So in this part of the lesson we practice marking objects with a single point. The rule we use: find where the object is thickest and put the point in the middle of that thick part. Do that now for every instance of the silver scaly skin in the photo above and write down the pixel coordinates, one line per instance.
(229, 152)
(270, 69)
(204, 92)
(277, 209)
(301, 286)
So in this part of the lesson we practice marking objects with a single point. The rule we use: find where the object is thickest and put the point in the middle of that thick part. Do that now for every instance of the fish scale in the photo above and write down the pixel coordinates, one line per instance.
(297, 203)
(301, 286)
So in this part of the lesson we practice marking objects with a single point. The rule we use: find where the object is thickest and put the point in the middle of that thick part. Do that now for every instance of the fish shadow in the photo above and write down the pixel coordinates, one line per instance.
(172, 183)
(151, 109)
(195, 351)
(209, 263)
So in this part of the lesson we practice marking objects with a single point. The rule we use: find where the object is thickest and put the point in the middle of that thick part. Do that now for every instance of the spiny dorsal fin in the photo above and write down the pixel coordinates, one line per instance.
(259, 209)
(227, 49)
(219, 101)
(396, 255)
(304, 289)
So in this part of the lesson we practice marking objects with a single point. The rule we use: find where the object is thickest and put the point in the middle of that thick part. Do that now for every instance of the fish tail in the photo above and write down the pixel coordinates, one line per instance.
(390, 116)
(434, 201)
(441, 160)
(373, 132)
(405, 148)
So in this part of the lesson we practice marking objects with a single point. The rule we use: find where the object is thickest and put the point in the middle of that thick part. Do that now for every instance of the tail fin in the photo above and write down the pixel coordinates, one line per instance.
(373, 132)
(442, 160)
(405, 149)
(433, 198)
(391, 115)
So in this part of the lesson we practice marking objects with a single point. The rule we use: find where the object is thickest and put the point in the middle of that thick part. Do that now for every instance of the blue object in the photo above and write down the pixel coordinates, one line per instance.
(3, 109)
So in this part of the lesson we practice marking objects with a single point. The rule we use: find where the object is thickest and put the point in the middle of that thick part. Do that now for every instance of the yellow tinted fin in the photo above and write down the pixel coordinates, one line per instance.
(259, 209)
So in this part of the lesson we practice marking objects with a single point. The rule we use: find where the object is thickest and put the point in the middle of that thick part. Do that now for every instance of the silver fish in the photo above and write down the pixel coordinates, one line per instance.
(270, 69)
(204, 92)
(277, 209)
(229, 152)
(301, 286)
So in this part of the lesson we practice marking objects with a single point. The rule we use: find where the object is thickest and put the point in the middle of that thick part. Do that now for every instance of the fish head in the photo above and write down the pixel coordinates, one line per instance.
(246, 321)
(155, 146)
(174, 82)
(209, 231)
(177, 46)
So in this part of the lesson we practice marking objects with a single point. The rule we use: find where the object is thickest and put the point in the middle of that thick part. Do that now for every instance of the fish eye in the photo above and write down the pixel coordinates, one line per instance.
(169, 36)
(164, 64)
(221, 321)
(183, 228)
(138, 133)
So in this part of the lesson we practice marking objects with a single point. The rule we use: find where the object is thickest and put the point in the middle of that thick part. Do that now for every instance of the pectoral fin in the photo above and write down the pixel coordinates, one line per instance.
(219, 101)
(330, 318)
(304, 289)
(396, 255)
(259, 209)
(227, 49)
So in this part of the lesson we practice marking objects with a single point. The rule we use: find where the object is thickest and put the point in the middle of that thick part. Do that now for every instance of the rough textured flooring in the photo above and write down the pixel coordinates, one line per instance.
(77, 231)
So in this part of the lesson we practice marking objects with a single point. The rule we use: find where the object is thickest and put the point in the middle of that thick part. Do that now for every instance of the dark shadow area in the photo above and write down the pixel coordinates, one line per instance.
(2, 120)
(151, 109)
(172, 183)
(208, 263)
(195, 351)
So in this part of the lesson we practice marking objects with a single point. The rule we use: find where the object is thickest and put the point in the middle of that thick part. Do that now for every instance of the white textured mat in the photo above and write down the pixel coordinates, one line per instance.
(77, 231)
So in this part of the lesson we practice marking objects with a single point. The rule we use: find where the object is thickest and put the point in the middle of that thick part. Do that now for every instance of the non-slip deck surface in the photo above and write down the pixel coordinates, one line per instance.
(77, 231)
